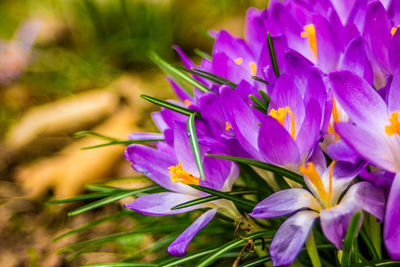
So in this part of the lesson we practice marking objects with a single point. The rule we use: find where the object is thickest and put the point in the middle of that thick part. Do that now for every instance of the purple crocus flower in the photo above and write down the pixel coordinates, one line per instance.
(374, 134)
(287, 135)
(320, 201)
(173, 167)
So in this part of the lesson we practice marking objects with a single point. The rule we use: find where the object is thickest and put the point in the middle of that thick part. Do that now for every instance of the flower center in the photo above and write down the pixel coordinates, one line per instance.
(280, 116)
(187, 102)
(394, 126)
(312, 174)
(309, 32)
(179, 175)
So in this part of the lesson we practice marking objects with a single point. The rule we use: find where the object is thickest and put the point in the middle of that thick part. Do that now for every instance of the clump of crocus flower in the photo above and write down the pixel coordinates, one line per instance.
(311, 76)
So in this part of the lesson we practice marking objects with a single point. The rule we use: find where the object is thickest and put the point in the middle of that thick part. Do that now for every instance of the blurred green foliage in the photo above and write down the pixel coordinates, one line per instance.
(85, 44)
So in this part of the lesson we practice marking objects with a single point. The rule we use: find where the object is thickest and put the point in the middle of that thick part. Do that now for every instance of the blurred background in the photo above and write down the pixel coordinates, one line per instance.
(73, 65)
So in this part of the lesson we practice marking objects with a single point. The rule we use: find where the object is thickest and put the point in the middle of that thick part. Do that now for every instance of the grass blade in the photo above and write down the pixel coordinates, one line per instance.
(259, 109)
(201, 75)
(259, 103)
(123, 264)
(266, 166)
(258, 79)
(123, 142)
(350, 239)
(82, 134)
(110, 238)
(168, 105)
(202, 54)
(247, 203)
(79, 198)
(272, 55)
(191, 129)
(110, 199)
(222, 79)
(177, 73)
(256, 262)
(232, 245)
(189, 258)
(370, 246)
(89, 225)
(207, 199)
(264, 96)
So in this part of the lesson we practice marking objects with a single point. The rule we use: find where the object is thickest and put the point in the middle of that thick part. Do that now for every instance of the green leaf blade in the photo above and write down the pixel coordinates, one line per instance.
(191, 129)
(350, 238)
(266, 166)
(272, 55)
(170, 106)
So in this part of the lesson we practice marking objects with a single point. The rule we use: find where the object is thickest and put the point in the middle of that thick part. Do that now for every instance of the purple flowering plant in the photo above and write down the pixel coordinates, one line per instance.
(290, 139)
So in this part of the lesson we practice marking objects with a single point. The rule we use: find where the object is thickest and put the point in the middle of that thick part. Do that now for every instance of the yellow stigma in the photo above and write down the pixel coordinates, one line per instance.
(309, 32)
(394, 29)
(187, 102)
(179, 175)
(280, 116)
(316, 180)
(253, 68)
(394, 127)
(227, 126)
(239, 60)
(335, 117)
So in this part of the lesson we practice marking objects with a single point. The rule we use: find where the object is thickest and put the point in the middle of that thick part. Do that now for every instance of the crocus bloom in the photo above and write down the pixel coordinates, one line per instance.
(173, 167)
(320, 201)
(374, 134)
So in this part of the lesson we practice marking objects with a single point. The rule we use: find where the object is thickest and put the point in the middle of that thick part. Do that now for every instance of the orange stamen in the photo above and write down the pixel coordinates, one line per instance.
(309, 32)
(238, 60)
(227, 126)
(330, 179)
(253, 68)
(280, 116)
(394, 127)
(179, 175)
(394, 30)
(315, 179)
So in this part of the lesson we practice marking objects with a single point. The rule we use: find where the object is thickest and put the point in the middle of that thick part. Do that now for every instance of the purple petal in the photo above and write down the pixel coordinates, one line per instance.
(284, 202)
(355, 59)
(298, 67)
(290, 237)
(309, 133)
(179, 91)
(354, 94)
(242, 119)
(394, 93)
(143, 158)
(161, 203)
(286, 94)
(341, 151)
(178, 247)
(361, 196)
(394, 56)
(276, 145)
(363, 142)
(183, 150)
(343, 8)
(392, 217)
(328, 51)
(377, 33)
